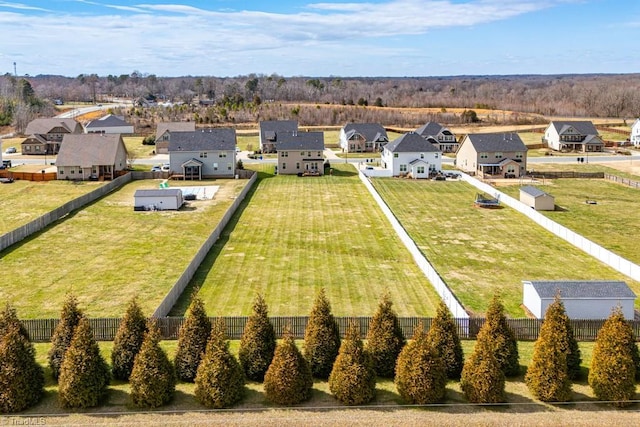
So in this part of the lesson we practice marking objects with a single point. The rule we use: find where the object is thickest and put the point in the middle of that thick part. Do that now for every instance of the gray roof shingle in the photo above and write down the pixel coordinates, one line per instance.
(370, 131)
(107, 121)
(411, 142)
(270, 129)
(44, 126)
(533, 191)
(429, 129)
(203, 140)
(88, 150)
(313, 141)
(174, 127)
(496, 142)
(583, 289)
(585, 127)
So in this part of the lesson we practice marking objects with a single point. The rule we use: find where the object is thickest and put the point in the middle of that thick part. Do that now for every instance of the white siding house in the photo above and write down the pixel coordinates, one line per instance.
(581, 299)
(109, 124)
(635, 133)
(158, 199)
(537, 199)
(205, 153)
(411, 155)
(363, 137)
(581, 136)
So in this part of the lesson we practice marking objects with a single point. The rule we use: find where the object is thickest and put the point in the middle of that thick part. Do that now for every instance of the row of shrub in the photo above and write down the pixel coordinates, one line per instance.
(420, 368)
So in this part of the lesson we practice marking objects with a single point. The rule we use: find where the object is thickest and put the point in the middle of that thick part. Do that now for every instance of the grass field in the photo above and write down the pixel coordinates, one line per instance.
(522, 408)
(480, 252)
(614, 222)
(295, 235)
(106, 253)
(24, 201)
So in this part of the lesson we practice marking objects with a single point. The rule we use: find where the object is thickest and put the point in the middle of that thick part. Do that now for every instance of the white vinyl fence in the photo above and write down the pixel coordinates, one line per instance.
(616, 262)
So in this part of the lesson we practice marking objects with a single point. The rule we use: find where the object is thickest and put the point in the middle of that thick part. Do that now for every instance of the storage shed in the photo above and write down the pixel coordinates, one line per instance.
(581, 299)
(537, 199)
(158, 199)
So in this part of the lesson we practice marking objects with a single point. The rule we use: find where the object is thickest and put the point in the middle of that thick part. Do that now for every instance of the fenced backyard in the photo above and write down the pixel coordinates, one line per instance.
(104, 329)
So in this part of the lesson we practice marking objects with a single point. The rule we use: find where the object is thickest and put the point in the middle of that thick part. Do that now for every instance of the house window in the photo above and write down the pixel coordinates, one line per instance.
(403, 168)
(37, 148)
(297, 165)
(203, 155)
(352, 147)
(436, 155)
(319, 153)
(228, 166)
(518, 155)
(422, 155)
(215, 166)
(284, 166)
(61, 171)
(395, 155)
(498, 155)
(484, 155)
(285, 154)
(420, 169)
(222, 154)
(72, 171)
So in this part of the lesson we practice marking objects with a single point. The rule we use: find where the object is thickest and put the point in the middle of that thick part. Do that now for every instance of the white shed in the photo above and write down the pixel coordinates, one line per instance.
(581, 299)
(537, 199)
(158, 199)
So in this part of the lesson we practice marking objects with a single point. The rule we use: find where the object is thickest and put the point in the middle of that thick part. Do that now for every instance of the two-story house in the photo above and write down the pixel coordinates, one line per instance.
(205, 153)
(91, 157)
(635, 134)
(492, 155)
(163, 133)
(411, 154)
(271, 133)
(580, 136)
(45, 135)
(363, 137)
(440, 136)
(301, 153)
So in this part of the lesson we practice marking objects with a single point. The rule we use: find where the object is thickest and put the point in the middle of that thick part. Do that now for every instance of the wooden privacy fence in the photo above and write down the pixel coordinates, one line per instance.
(104, 329)
(566, 174)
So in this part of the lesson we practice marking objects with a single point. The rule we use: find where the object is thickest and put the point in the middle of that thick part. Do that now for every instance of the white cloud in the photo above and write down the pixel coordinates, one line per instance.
(20, 6)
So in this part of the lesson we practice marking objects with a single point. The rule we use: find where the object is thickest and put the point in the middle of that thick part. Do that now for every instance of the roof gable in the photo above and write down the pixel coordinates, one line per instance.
(44, 126)
(370, 131)
(495, 142)
(411, 142)
(174, 126)
(107, 121)
(203, 140)
(430, 129)
(583, 127)
(88, 150)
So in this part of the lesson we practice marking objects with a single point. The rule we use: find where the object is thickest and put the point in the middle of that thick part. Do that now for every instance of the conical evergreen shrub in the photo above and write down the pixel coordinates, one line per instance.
(385, 338)
(21, 377)
(613, 371)
(288, 380)
(128, 340)
(63, 333)
(353, 379)
(220, 379)
(421, 375)
(84, 374)
(482, 380)
(321, 338)
(153, 379)
(192, 341)
(443, 336)
(547, 376)
(9, 318)
(258, 342)
(497, 332)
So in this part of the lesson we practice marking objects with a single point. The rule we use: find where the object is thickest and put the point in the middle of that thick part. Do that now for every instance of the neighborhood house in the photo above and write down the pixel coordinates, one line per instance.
(301, 153)
(411, 155)
(363, 138)
(163, 133)
(492, 155)
(205, 153)
(109, 124)
(580, 136)
(271, 133)
(581, 299)
(45, 135)
(439, 136)
(91, 157)
(635, 133)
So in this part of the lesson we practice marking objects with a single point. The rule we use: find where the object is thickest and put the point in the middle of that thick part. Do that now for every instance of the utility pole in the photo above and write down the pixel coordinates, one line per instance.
(15, 73)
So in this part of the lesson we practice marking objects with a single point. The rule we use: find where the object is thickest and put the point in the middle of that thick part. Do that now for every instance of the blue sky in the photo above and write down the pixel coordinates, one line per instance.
(320, 39)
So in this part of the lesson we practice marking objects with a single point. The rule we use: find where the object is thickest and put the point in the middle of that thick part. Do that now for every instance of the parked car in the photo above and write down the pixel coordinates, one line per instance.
(165, 167)
(156, 168)
(10, 150)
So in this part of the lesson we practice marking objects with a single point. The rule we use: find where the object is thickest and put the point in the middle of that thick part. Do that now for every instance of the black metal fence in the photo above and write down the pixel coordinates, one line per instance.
(104, 329)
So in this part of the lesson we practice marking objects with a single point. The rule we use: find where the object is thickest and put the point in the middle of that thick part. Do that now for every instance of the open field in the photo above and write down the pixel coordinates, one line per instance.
(323, 409)
(480, 252)
(294, 235)
(106, 254)
(24, 201)
(614, 222)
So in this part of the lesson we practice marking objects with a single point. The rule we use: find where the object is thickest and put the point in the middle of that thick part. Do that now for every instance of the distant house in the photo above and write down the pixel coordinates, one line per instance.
(109, 124)
(158, 199)
(580, 136)
(363, 137)
(635, 133)
(271, 133)
(45, 135)
(439, 136)
(581, 299)
(91, 156)
(205, 153)
(492, 155)
(537, 199)
(163, 133)
(301, 153)
(410, 154)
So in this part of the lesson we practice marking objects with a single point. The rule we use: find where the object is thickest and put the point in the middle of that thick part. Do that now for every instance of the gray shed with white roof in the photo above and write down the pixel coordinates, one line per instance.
(158, 199)
(537, 199)
(581, 299)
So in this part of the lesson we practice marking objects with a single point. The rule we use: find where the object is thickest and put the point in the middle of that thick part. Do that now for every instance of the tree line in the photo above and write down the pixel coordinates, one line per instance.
(420, 367)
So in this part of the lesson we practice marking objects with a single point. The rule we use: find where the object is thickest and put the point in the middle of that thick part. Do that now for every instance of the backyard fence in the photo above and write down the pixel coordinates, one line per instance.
(566, 174)
(623, 181)
(104, 329)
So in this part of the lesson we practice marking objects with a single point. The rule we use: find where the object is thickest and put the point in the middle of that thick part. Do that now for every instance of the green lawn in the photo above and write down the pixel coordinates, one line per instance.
(295, 235)
(106, 254)
(24, 201)
(480, 252)
(456, 410)
(614, 222)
